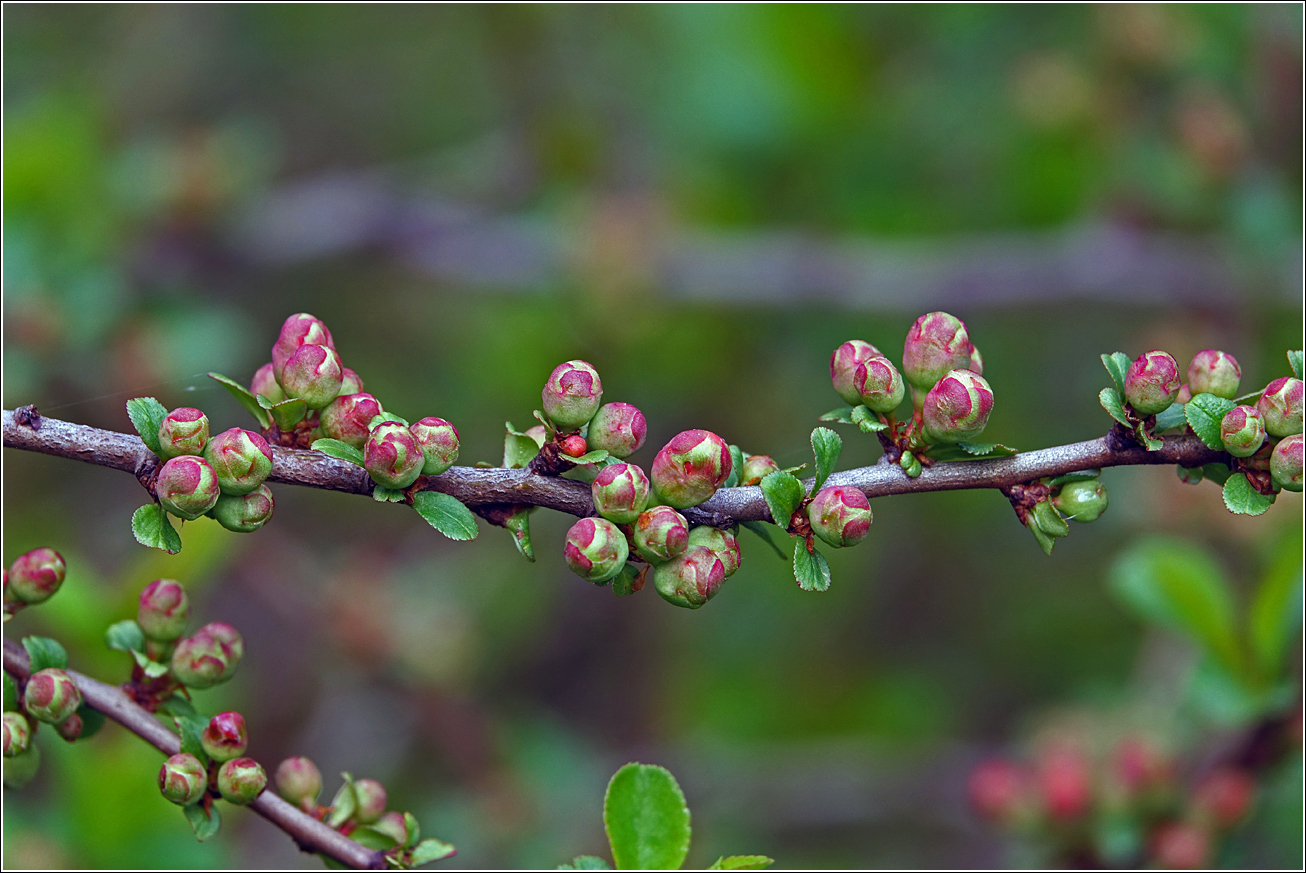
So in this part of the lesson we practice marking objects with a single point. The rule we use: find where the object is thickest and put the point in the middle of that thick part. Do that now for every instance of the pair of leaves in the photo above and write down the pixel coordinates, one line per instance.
(866, 420)
(254, 405)
(1047, 525)
(44, 653)
(152, 527)
(784, 493)
(736, 467)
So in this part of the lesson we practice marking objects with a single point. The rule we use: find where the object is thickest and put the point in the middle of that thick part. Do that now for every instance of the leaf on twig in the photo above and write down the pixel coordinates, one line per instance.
(811, 570)
(147, 414)
(826, 445)
(152, 527)
(1204, 413)
(447, 514)
(245, 398)
(340, 450)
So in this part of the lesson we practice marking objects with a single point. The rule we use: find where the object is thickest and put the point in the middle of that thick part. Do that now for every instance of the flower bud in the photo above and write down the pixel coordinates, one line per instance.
(1082, 501)
(201, 661)
(298, 330)
(350, 382)
(1065, 784)
(573, 446)
(1214, 372)
(596, 549)
(722, 543)
(844, 363)
(1140, 768)
(936, 345)
(70, 728)
(879, 384)
(1180, 846)
(572, 394)
(183, 431)
(51, 695)
(1225, 797)
(620, 492)
(265, 383)
(1242, 431)
(840, 515)
(757, 468)
(1152, 382)
(35, 576)
(618, 428)
(660, 534)
(976, 364)
(187, 487)
(1286, 463)
(314, 375)
(690, 468)
(998, 790)
(1185, 394)
(299, 781)
(691, 579)
(244, 513)
(163, 610)
(348, 418)
(437, 440)
(229, 638)
(957, 408)
(392, 456)
(1280, 407)
(240, 780)
(241, 459)
(17, 734)
(183, 779)
(370, 795)
(224, 737)
(393, 825)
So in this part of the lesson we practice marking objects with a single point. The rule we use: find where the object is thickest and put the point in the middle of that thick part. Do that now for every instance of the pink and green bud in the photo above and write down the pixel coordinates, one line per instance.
(393, 825)
(618, 428)
(17, 734)
(244, 513)
(1152, 382)
(241, 459)
(722, 543)
(241, 780)
(572, 394)
(1082, 501)
(314, 375)
(844, 363)
(299, 781)
(298, 330)
(348, 418)
(370, 795)
(660, 534)
(437, 440)
(35, 576)
(840, 515)
(183, 432)
(207, 658)
(163, 610)
(936, 345)
(879, 384)
(265, 383)
(620, 492)
(1286, 463)
(350, 382)
(976, 364)
(690, 468)
(1214, 372)
(1242, 431)
(596, 549)
(692, 579)
(573, 446)
(51, 695)
(229, 638)
(392, 456)
(183, 779)
(187, 487)
(1224, 798)
(1185, 394)
(957, 408)
(225, 737)
(999, 790)
(1280, 406)
(70, 729)
(757, 468)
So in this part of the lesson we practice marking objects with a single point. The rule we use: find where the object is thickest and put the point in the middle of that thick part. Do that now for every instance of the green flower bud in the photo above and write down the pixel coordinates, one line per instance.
(35, 576)
(844, 363)
(1242, 431)
(183, 779)
(691, 579)
(879, 384)
(757, 468)
(690, 468)
(183, 432)
(22, 768)
(244, 513)
(957, 408)
(437, 440)
(1286, 463)
(17, 734)
(936, 345)
(1152, 382)
(620, 492)
(1214, 372)
(1280, 407)
(572, 394)
(208, 657)
(299, 781)
(70, 729)
(392, 456)
(187, 487)
(225, 737)
(392, 824)
(313, 374)
(1082, 501)
(596, 549)
(348, 418)
(660, 534)
(299, 329)
(230, 640)
(618, 428)
(840, 515)
(265, 383)
(350, 382)
(722, 543)
(163, 610)
(370, 795)
(241, 780)
(51, 695)
(241, 459)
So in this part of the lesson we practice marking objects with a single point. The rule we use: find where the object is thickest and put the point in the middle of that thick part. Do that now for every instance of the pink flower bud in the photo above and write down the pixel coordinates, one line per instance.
(596, 549)
(722, 543)
(844, 363)
(35, 576)
(241, 780)
(348, 418)
(1286, 463)
(208, 657)
(70, 729)
(299, 781)
(757, 468)
(393, 825)
(163, 610)
(371, 798)
(313, 374)
(298, 330)
(1152, 382)
(840, 515)
(573, 446)
(265, 383)
(17, 734)
(1065, 784)
(230, 640)
(350, 382)
(183, 432)
(51, 695)
(1242, 431)
(1180, 846)
(620, 492)
(1214, 372)
(392, 456)
(572, 394)
(183, 779)
(618, 428)
(1140, 767)
(692, 579)
(437, 440)
(244, 513)
(241, 459)
(936, 345)
(187, 487)
(1185, 394)
(660, 534)
(957, 408)
(998, 790)
(976, 364)
(690, 468)
(1280, 407)
(225, 737)
(879, 384)
(1225, 797)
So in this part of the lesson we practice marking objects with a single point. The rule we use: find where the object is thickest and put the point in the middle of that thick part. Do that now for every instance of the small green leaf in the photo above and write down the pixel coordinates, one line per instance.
(10, 694)
(152, 669)
(245, 399)
(736, 467)
(177, 705)
(586, 862)
(152, 527)
(1114, 406)
(339, 450)
(1242, 499)
(742, 862)
(761, 530)
(1079, 476)
(1049, 520)
(969, 451)
(811, 571)
(1295, 362)
(429, 850)
(1204, 413)
(910, 464)
(44, 653)
(372, 839)
(867, 421)
(413, 828)
(842, 415)
(204, 823)
(1149, 442)
(647, 819)
(125, 636)
(1217, 473)
(623, 584)
(1275, 616)
(147, 414)
(597, 456)
(191, 727)
(287, 413)
(381, 494)
(343, 804)
(92, 721)
(518, 449)
(1045, 542)
(549, 427)
(1173, 416)
(826, 445)
(447, 514)
(1117, 364)
(519, 525)
(783, 493)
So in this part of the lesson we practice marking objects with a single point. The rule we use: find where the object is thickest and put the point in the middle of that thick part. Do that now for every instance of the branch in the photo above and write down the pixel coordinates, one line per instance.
(478, 487)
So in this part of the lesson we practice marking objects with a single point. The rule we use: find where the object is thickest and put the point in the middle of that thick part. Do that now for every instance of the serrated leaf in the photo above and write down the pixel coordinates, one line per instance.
(340, 450)
(623, 584)
(190, 727)
(287, 413)
(152, 669)
(44, 653)
(742, 862)
(152, 527)
(1149, 442)
(867, 421)
(646, 818)
(382, 494)
(146, 415)
(826, 445)
(736, 467)
(842, 415)
(1275, 616)
(761, 530)
(429, 850)
(1114, 406)
(1204, 414)
(245, 398)
(447, 514)
(1242, 499)
(586, 862)
(811, 570)
(92, 721)
(1117, 364)
(10, 694)
(1078, 476)
(343, 804)
(597, 456)
(518, 449)
(783, 493)
(1295, 362)
(204, 823)
(1173, 416)
(125, 636)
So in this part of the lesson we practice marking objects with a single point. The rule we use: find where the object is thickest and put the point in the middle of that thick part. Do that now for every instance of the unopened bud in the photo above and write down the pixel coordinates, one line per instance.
(392, 456)
(690, 468)
(225, 737)
(51, 695)
(722, 543)
(244, 513)
(229, 638)
(957, 408)
(70, 728)
(1152, 382)
(596, 549)
(844, 364)
(998, 790)
(1180, 846)
(691, 579)
(1225, 797)
(393, 825)
(620, 492)
(265, 384)
(298, 330)
(348, 418)
(299, 781)
(241, 459)
(879, 384)
(1065, 784)
(183, 432)
(1242, 431)
(437, 440)
(1214, 372)
(17, 734)
(203, 660)
(183, 779)
(370, 795)
(660, 534)
(1286, 463)
(240, 780)
(163, 610)
(35, 576)
(757, 468)
(840, 515)
(618, 428)
(313, 374)
(187, 487)
(1280, 406)
(573, 446)
(1185, 394)
(571, 395)
(350, 382)
(936, 345)
(1082, 501)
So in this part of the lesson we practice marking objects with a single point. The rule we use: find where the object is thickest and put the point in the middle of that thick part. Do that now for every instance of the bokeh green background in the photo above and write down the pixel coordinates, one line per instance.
(703, 201)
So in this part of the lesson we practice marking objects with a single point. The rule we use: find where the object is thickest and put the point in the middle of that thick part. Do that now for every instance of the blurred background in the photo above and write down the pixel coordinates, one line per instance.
(702, 201)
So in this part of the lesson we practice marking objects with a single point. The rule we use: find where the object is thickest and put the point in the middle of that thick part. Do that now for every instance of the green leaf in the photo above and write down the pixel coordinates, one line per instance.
(867, 421)
(826, 445)
(372, 839)
(764, 532)
(1045, 542)
(340, 450)
(147, 414)
(742, 862)
(125, 636)
(1275, 616)
(595, 457)
(519, 525)
(343, 804)
(842, 415)
(382, 494)
(92, 721)
(1242, 499)
(549, 427)
(811, 571)
(783, 493)
(1117, 364)
(287, 413)
(44, 653)
(10, 694)
(152, 669)
(413, 828)
(647, 819)
(518, 449)
(152, 527)
(1204, 413)
(245, 399)
(1078, 476)
(1049, 521)
(1217, 473)
(736, 467)
(429, 850)
(1173, 416)
(447, 514)
(969, 451)
(586, 862)
(204, 823)
(1114, 406)
(1179, 586)
(1295, 362)
(623, 584)
(177, 705)
(191, 727)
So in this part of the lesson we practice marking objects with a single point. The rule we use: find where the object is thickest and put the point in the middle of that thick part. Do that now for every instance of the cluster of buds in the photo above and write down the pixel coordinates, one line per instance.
(34, 577)
(573, 403)
(219, 770)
